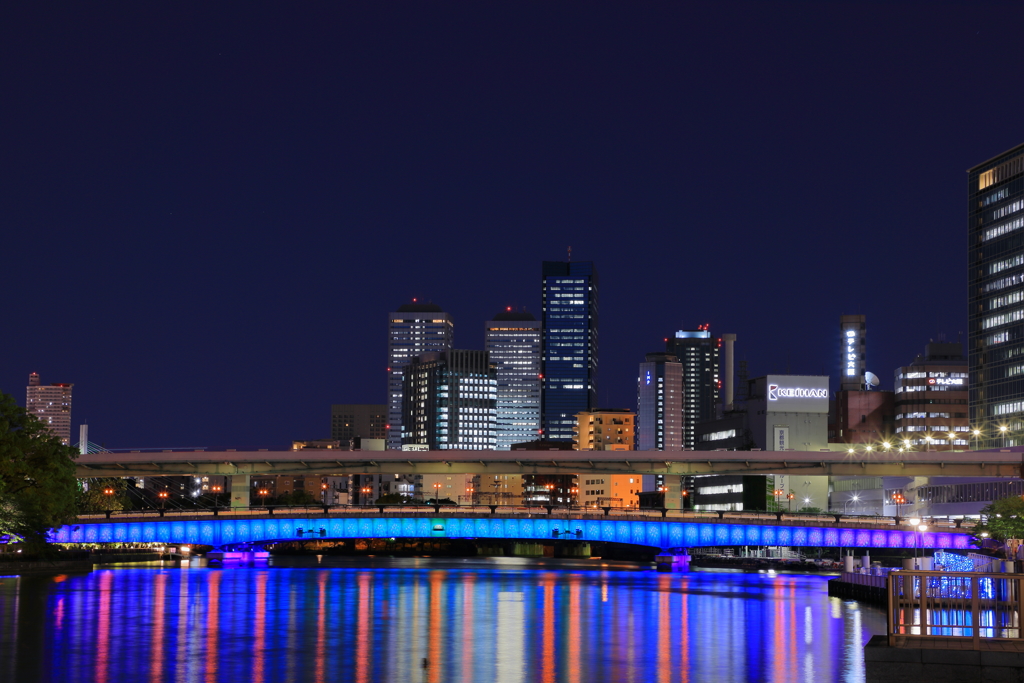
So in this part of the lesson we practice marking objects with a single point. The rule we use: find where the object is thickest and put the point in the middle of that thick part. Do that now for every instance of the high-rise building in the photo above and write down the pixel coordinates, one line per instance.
(604, 430)
(995, 218)
(697, 352)
(449, 401)
(659, 399)
(512, 339)
(931, 400)
(51, 405)
(570, 345)
(413, 329)
(353, 422)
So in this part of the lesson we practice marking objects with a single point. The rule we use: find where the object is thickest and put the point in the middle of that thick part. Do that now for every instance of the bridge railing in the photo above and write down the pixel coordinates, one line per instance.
(795, 518)
(958, 606)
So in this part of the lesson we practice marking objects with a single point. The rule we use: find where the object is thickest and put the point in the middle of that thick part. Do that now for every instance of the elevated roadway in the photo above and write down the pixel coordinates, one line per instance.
(991, 463)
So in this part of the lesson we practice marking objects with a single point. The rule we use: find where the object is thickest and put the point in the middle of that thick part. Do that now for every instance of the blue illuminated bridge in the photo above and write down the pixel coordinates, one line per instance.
(664, 533)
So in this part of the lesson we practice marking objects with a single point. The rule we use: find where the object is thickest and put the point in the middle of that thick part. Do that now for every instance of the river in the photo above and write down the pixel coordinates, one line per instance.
(428, 620)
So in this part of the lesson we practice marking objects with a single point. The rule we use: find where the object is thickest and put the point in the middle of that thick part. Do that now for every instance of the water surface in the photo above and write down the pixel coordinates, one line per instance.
(430, 620)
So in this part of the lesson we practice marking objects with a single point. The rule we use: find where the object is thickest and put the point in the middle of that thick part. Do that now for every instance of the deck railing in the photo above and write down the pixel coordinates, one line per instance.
(965, 606)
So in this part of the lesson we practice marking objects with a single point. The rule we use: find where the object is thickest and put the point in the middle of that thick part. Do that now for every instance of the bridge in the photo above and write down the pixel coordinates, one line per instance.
(990, 463)
(681, 530)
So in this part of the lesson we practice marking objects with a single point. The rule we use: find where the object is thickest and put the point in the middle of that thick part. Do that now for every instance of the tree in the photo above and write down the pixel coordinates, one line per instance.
(96, 499)
(1004, 519)
(38, 489)
(393, 499)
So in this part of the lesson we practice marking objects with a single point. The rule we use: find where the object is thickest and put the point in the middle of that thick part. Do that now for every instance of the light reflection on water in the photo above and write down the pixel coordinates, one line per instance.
(429, 620)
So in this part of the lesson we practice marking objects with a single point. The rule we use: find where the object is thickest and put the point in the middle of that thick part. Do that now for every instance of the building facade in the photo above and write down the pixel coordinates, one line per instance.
(698, 354)
(863, 417)
(353, 422)
(569, 295)
(931, 400)
(513, 340)
(659, 404)
(604, 430)
(51, 405)
(413, 329)
(995, 218)
(449, 401)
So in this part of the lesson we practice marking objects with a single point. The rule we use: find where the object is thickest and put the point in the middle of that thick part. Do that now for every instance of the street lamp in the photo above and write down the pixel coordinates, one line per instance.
(791, 496)
(976, 433)
(684, 494)
(366, 491)
(437, 492)
(898, 499)
(1002, 430)
(550, 488)
(163, 498)
(806, 501)
(263, 494)
(777, 493)
(469, 490)
(846, 504)
(323, 493)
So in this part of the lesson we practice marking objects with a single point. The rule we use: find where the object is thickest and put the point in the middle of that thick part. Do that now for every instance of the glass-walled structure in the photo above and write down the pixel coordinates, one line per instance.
(996, 299)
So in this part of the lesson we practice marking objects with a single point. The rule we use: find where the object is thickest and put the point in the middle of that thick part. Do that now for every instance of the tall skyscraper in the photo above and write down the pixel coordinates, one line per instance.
(995, 218)
(449, 401)
(570, 349)
(659, 403)
(413, 329)
(51, 405)
(512, 339)
(697, 352)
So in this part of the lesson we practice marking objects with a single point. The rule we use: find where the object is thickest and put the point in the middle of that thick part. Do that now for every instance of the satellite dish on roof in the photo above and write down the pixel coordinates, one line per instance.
(870, 379)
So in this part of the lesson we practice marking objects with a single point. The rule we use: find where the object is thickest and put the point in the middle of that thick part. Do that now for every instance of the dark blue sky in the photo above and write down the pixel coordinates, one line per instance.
(207, 214)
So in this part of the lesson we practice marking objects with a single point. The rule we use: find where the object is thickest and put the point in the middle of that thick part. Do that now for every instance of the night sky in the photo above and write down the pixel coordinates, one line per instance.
(207, 214)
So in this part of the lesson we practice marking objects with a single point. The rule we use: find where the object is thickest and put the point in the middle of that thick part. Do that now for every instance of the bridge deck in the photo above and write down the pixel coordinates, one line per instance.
(665, 533)
(1001, 463)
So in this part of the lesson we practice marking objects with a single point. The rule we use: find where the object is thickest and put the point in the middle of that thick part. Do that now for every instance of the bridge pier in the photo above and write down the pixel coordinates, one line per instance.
(669, 562)
(240, 485)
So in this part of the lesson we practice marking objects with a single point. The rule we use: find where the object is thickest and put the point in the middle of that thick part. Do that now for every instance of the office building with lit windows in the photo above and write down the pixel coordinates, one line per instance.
(570, 345)
(995, 224)
(51, 405)
(513, 340)
(659, 403)
(931, 400)
(698, 355)
(413, 329)
(449, 401)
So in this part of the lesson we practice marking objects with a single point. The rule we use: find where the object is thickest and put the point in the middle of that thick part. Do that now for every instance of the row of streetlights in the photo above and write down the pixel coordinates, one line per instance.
(902, 445)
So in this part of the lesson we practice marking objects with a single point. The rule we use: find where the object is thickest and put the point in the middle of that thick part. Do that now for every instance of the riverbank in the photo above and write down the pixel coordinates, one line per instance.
(82, 562)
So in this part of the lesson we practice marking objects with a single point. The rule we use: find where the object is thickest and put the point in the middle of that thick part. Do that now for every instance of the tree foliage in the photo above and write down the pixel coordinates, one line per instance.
(1003, 519)
(97, 500)
(393, 499)
(38, 489)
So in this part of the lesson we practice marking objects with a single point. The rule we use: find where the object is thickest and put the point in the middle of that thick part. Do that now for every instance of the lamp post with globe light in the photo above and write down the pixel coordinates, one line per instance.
(855, 498)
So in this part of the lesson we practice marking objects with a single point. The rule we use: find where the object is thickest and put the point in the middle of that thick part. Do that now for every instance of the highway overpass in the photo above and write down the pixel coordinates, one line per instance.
(991, 463)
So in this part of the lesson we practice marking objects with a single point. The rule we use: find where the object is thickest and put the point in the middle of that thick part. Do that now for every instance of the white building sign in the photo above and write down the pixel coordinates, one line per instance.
(780, 442)
(797, 393)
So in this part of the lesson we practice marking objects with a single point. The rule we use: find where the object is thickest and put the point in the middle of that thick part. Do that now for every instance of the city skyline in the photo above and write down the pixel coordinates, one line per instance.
(247, 233)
